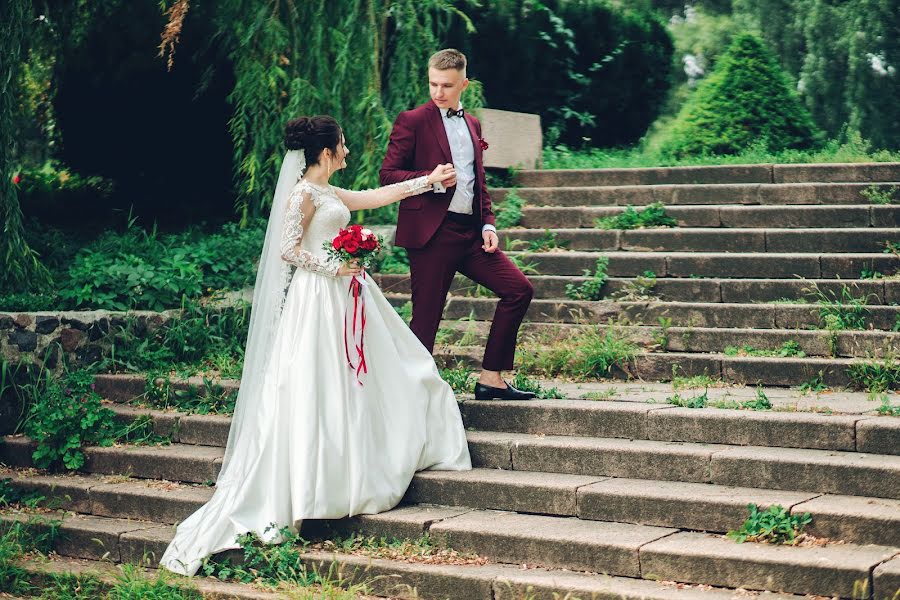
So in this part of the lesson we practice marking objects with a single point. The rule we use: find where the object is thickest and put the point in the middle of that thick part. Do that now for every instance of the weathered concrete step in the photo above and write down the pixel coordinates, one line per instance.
(684, 289)
(695, 506)
(44, 572)
(394, 578)
(821, 471)
(825, 471)
(682, 314)
(700, 239)
(619, 549)
(742, 215)
(712, 194)
(760, 173)
(659, 366)
(846, 344)
(729, 265)
(622, 415)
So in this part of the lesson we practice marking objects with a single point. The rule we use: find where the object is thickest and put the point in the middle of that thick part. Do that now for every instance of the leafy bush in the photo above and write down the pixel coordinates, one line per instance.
(746, 101)
(592, 288)
(54, 188)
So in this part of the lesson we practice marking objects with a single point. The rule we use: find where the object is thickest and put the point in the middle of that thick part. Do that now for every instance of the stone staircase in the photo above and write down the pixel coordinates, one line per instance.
(614, 499)
(751, 244)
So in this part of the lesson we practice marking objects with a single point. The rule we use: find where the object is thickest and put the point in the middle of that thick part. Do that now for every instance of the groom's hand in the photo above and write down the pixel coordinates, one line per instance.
(491, 241)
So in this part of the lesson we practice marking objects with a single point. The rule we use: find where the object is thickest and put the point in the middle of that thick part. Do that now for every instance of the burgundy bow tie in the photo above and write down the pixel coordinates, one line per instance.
(455, 113)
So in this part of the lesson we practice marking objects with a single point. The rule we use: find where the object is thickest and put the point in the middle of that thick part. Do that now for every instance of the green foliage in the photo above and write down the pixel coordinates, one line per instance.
(598, 353)
(66, 415)
(814, 385)
(654, 215)
(886, 409)
(759, 402)
(841, 310)
(574, 53)
(699, 401)
(878, 195)
(508, 213)
(405, 311)
(394, 261)
(788, 349)
(583, 355)
(643, 287)
(18, 539)
(199, 338)
(774, 525)
(747, 100)
(461, 379)
(265, 563)
(545, 243)
(55, 187)
(592, 288)
(874, 375)
(133, 582)
(19, 264)
(211, 398)
(524, 383)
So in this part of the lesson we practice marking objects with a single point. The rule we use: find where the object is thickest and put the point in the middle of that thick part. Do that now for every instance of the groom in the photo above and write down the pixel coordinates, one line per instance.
(450, 230)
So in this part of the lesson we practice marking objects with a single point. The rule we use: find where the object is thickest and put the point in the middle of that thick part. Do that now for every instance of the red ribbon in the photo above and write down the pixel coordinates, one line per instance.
(359, 308)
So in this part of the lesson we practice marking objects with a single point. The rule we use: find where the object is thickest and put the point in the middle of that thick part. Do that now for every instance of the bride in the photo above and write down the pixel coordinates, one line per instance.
(308, 440)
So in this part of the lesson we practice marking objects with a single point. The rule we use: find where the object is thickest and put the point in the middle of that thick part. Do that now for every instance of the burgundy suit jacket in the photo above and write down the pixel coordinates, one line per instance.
(418, 144)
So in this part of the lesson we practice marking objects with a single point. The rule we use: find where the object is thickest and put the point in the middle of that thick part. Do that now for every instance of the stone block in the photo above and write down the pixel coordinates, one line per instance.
(194, 464)
(660, 366)
(145, 546)
(886, 580)
(22, 320)
(44, 324)
(25, 340)
(752, 370)
(827, 240)
(204, 430)
(403, 523)
(795, 216)
(70, 339)
(775, 266)
(694, 240)
(837, 172)
(885, 216)
(157, 501)
(880, 435)
(489, 450)
(853, 518)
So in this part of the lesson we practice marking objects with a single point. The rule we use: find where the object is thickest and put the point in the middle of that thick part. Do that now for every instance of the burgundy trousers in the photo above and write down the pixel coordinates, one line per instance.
(456, 247)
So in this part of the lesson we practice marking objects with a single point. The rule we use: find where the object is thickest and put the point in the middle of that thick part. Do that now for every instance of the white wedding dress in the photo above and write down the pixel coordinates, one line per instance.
(317, 444)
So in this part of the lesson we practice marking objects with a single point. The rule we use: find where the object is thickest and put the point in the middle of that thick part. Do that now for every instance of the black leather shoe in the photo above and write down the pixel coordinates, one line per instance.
(486, 392)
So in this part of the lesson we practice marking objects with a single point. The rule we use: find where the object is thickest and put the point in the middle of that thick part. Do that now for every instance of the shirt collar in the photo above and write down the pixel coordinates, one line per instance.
(443, 111)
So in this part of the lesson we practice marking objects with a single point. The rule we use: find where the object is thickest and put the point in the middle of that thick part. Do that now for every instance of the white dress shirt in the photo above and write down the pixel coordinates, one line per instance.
(462, 153)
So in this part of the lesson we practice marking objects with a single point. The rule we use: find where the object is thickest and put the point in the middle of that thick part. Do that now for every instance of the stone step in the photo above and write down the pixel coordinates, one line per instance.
(761, 173)
(682, 314)
(846, 344)
(729, 265)
(633, 414)
(712, 194)
(432, 581)
(700, 239)
(713, 216)
(824, 471)
(660, 366)
(691, 506)
(44, 573)
(680, 289)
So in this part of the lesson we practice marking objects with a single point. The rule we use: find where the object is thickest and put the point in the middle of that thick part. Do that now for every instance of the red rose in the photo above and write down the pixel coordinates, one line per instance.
(351, 246)
(16, 179)
(336, 243)
(484, 144)
(369, 244)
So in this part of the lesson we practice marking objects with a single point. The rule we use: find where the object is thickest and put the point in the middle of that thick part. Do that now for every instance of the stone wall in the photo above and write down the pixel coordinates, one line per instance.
(82, 336)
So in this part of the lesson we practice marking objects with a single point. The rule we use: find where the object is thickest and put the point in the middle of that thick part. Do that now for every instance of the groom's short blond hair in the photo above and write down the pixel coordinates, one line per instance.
(449, 58)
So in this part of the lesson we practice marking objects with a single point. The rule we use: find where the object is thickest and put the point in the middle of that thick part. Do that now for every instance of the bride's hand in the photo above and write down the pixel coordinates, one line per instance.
(350, 269)
(442, 173)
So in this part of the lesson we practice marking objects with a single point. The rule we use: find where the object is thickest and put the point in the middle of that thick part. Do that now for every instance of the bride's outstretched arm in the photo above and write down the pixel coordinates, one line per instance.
(300, 211)
(395, 192)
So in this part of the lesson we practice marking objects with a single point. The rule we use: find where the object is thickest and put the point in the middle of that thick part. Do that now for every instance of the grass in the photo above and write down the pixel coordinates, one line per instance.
(643, 287)
(759, 402)
(774, 525)
(698, 401)
(887, 409)
(524, 383)
(839, 311)
(654, 215)
(877, 195)
(814, 385)
(853, 149)
(584, 355)
(461, 379)
(876, 375)
(693, 382)
(789, 349)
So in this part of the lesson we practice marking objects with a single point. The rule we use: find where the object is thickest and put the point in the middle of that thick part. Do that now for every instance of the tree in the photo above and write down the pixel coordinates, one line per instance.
(19, 264)
(747, 100)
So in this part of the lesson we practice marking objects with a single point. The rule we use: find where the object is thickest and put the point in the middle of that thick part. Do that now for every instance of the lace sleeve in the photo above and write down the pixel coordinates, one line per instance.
(384, 195)
(301, 206)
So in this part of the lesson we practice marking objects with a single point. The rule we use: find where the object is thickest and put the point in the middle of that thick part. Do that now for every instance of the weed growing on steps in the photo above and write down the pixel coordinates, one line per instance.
(680, 382)
(395, 261)
(654, 215)
(592, 288)
(508, 212)
(839, 311)
(887, 409)
(405, 311)
(814, 385)
(774, 525)
(546, 243)
(643, 287)
(210, 398)
(876, 375)
(661, 337)
(699, 401)
(461, 379)
(877, 195)
(524, 383)
(587, 354)
(18, 539)
(789, 349)
(759, 402)
(423, 549)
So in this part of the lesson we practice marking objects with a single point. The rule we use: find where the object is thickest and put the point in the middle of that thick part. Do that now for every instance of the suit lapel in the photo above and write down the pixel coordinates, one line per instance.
(437, 128)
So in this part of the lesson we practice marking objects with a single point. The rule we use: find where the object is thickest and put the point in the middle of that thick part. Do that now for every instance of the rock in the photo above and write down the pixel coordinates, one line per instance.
(25, 340)
(70, 339)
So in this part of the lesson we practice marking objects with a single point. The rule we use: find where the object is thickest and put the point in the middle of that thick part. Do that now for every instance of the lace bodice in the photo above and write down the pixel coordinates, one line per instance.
(303, 248)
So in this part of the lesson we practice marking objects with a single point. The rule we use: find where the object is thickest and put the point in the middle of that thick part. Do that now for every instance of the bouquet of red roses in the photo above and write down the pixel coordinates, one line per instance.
(355, 243)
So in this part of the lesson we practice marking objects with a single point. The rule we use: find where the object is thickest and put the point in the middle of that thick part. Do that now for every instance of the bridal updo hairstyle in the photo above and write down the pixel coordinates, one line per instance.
(312, 135)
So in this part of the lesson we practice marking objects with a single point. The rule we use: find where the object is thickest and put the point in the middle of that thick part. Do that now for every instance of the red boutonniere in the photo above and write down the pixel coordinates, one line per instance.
(484, 144)
(16, 179)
